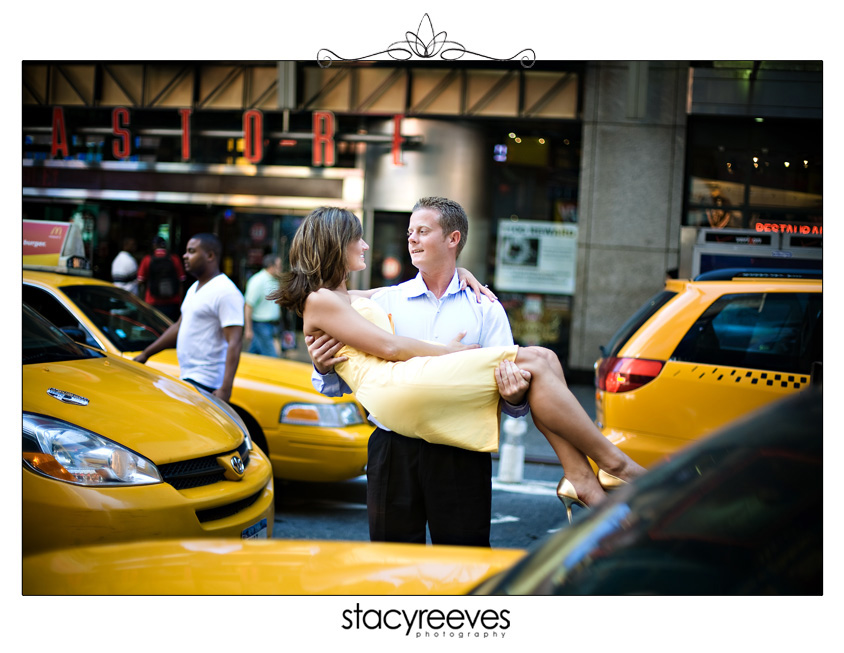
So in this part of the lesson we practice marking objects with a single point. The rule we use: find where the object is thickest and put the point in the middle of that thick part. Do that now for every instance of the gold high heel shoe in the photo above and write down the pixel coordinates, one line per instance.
(608, 481)
(568, 495)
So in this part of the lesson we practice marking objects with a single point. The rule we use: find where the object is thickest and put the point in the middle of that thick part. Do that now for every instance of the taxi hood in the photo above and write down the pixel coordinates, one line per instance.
(264, 567)
(157, 416)
(276, 370)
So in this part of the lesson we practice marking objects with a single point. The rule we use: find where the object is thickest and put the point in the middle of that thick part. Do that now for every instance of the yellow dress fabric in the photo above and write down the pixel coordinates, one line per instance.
(451, 399)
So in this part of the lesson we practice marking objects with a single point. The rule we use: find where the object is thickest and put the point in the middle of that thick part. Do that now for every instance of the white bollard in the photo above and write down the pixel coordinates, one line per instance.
(511, 456)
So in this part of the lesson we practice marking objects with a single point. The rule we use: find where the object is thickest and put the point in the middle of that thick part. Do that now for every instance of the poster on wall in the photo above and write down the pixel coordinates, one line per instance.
(536, 257)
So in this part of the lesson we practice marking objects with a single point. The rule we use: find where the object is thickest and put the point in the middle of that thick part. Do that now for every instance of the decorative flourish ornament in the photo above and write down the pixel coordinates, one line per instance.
(425, 43)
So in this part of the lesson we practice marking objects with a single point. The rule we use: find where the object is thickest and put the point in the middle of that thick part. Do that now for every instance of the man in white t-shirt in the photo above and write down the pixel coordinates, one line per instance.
(208, 335)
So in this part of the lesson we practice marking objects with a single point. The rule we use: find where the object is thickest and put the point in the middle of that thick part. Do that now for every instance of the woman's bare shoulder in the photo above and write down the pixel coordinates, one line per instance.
(320, 308)
(324, 298)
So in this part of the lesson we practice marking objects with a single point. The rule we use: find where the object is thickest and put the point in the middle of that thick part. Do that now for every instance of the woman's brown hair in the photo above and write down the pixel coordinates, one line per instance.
(317, 256)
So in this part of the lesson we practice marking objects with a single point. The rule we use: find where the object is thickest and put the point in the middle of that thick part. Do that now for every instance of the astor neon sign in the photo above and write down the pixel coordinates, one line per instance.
(323, 132)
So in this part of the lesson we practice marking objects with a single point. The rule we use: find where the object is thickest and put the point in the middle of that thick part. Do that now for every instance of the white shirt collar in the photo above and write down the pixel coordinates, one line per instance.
(416, 287)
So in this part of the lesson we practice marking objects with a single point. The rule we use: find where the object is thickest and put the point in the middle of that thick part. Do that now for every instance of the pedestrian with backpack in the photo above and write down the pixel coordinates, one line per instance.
(161, 275)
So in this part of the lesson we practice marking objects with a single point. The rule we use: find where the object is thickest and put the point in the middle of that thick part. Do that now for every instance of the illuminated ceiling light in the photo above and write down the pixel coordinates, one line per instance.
(805, 163)
(542, 141)
(512, 135)
(518, 140)
(755, 159)
(566, 141)
(759, 119)
(787, 164)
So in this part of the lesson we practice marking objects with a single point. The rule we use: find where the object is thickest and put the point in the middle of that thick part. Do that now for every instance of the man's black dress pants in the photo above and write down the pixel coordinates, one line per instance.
(411, 482)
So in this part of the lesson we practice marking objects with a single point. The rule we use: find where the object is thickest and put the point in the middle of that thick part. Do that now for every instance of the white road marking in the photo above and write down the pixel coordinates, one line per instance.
(527, 486)
(503, 519)
(343, 505)
(538, 488)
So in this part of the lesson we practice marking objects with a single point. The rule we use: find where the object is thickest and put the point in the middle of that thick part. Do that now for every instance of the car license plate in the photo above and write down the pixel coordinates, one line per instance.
(256, 531)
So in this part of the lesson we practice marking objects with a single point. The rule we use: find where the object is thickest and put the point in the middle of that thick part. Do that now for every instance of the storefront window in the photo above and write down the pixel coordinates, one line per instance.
(744, 172)
(391, 263)
(535, 173)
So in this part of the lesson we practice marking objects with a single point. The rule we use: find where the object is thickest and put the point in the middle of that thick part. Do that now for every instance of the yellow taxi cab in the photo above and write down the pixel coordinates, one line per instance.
(266, 567)
(701, 353)
(114, 451)
(307, 437)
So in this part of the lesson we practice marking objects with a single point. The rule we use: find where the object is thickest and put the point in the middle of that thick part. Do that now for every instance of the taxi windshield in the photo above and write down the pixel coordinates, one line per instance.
(44, 343)
(124, 319)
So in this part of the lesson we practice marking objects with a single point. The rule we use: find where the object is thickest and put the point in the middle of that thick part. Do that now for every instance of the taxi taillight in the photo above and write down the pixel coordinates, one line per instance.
(625, 374)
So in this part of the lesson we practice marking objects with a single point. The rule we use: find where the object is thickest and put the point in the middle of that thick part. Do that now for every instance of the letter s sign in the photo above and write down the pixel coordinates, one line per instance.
(120, 146)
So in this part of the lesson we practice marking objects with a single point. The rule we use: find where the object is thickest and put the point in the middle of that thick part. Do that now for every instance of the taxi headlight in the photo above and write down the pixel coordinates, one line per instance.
(328, 415)
(73, 454)
(231, 412)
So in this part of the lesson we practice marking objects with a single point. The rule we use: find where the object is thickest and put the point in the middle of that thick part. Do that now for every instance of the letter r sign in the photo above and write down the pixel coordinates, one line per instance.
(323, 152)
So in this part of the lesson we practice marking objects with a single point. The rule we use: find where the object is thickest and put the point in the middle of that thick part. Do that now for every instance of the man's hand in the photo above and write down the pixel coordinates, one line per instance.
(513, 383)
(323, 352)
(224, 393)
(166, 340)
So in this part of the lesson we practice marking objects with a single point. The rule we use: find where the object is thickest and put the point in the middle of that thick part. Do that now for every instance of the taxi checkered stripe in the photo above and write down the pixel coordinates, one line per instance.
(781, 380)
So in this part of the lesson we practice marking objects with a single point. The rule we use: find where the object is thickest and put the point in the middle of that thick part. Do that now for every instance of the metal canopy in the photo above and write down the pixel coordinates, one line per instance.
(375, 88)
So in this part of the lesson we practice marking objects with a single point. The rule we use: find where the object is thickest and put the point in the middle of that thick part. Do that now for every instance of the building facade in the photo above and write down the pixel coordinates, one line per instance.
(586, 183)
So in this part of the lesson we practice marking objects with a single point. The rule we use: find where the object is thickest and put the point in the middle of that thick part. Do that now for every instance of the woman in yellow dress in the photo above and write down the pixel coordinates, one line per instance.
(443, 394)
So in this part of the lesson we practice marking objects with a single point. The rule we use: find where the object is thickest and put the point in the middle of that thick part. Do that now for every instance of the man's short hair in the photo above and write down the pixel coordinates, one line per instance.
(210, 243)
(452, 217)
(269, 260)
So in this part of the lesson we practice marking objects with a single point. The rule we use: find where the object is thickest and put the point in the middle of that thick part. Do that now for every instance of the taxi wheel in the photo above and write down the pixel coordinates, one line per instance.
(255, 431)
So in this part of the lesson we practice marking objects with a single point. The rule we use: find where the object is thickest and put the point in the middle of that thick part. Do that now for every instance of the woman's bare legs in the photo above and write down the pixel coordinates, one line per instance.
(575, 465)
(559, 416)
